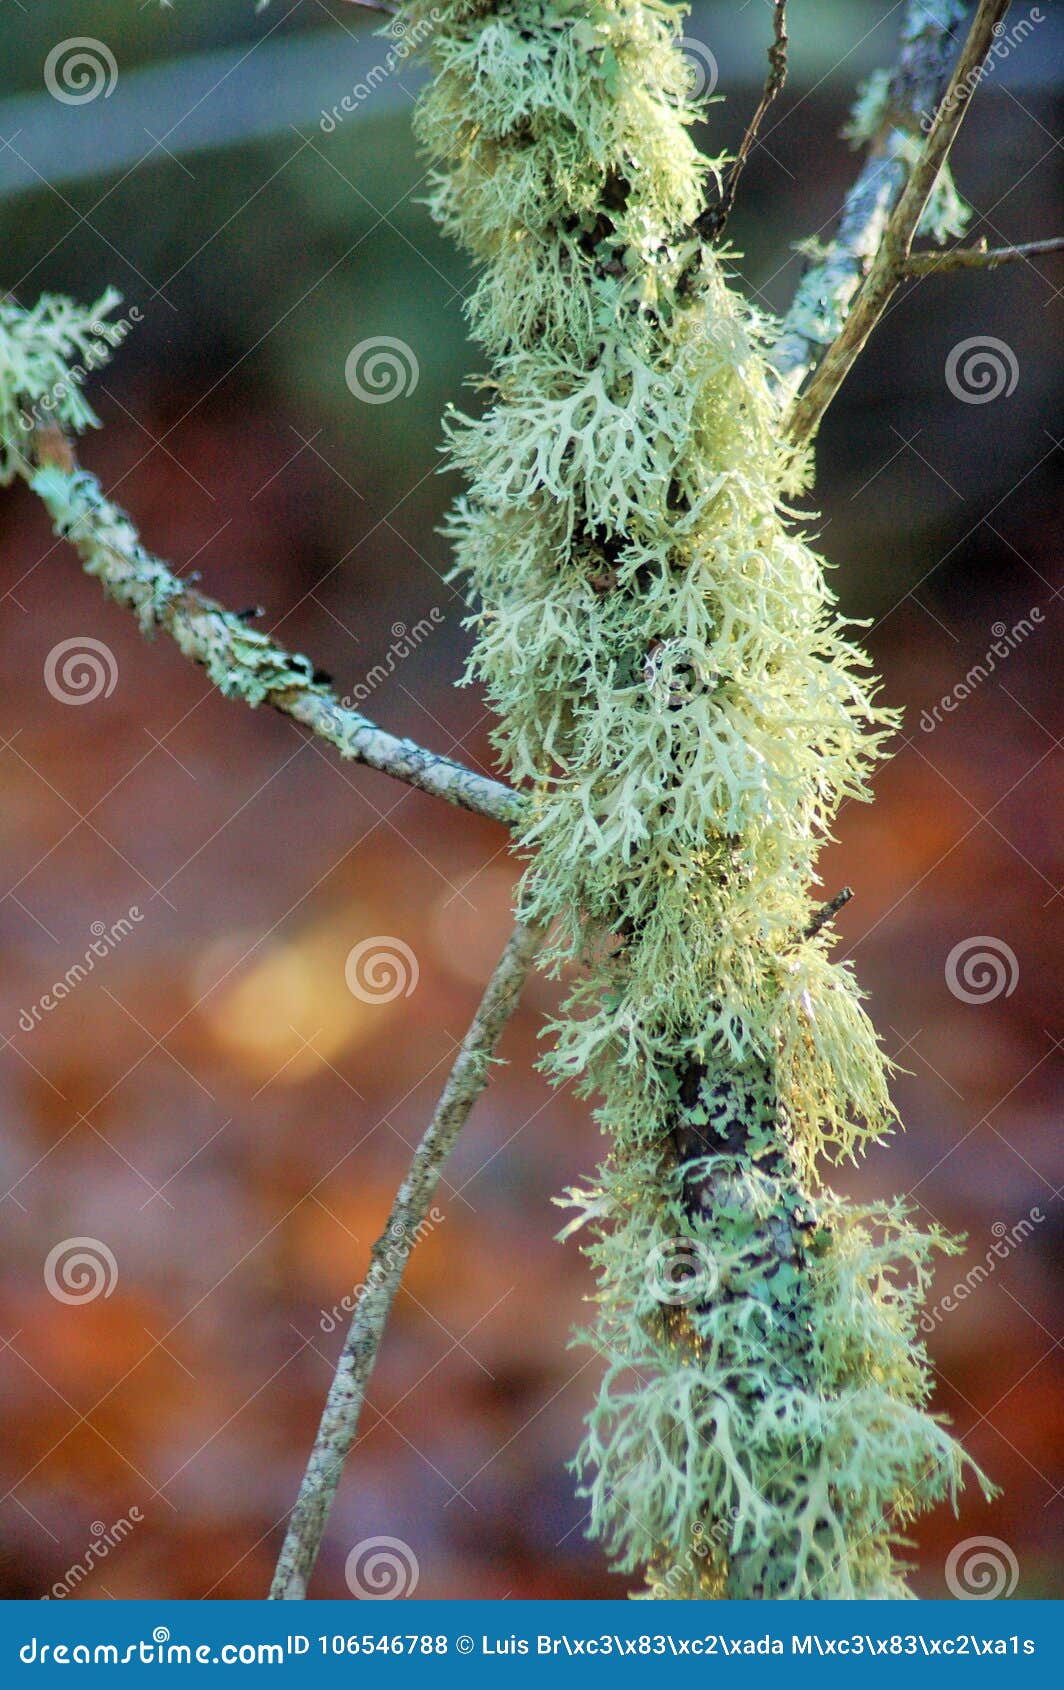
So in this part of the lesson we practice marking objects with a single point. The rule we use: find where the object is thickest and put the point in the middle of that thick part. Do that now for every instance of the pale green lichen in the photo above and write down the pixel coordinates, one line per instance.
(688, 711)
(46, 354)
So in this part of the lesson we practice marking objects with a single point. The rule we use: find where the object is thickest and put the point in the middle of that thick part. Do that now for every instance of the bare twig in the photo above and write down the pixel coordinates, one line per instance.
(977, 257)
(891, 252)
(827, 912)
(710, 223)
(375, 6)
(339, 1422)
(242, 661)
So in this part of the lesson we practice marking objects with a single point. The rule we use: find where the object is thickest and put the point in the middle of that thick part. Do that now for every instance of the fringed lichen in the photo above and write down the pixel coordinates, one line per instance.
(678, 693)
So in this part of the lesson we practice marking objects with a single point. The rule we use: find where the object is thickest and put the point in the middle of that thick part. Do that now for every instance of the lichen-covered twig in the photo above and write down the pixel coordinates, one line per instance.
(883, 213)
(978, 257)
(339, 1422)
(243, 662)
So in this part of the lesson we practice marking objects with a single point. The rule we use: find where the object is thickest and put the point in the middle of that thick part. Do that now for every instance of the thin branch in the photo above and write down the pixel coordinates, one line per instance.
(242, 661)
(978, 257)
(339, 1422)
(375, 6)
(892, 251)
(710, 223)
(827, 912)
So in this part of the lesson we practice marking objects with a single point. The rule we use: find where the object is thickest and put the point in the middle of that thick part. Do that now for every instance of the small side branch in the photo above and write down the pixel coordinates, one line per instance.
(242, 661)
(828, 912)
(978, 257)
(339, 1422)
(710, 224)
(891, 251)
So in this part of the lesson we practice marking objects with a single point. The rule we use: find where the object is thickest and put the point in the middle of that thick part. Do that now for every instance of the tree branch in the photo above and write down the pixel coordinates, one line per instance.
(827, 912)
(891, 250)
(242, 661)
(339, 1422)
(977, 257)
(710, 223)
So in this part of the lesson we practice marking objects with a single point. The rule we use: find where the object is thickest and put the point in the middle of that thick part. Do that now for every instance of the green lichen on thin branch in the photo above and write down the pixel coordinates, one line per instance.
(676, 689)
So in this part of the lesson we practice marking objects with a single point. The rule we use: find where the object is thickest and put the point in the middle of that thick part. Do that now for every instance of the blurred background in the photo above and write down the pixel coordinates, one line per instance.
(211, 1107)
